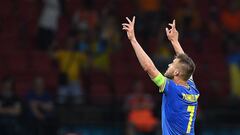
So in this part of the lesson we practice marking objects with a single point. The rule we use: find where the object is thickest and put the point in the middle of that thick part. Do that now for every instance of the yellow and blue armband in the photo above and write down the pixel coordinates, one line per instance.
(160, 81)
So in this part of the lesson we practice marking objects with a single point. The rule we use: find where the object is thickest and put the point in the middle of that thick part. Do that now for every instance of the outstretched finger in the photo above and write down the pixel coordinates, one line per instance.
(174, 24)
(170, 24)
(133, 21)
(128, 20)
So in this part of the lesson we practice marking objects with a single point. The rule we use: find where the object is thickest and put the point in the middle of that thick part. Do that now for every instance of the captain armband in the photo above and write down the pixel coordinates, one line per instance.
(159, 80)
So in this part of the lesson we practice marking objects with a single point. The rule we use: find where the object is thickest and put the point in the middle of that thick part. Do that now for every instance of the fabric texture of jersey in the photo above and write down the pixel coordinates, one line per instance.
(179, 106)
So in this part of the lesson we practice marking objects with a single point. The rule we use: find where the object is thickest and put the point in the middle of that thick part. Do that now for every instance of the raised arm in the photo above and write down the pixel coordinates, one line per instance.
(172, 35)
(143, 58)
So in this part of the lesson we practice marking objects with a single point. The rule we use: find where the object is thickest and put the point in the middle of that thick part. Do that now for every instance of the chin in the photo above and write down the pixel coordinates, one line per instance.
(165, 74)
(168, 76)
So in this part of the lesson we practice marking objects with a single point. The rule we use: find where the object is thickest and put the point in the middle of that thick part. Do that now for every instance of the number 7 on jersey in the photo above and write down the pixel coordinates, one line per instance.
(191, 110)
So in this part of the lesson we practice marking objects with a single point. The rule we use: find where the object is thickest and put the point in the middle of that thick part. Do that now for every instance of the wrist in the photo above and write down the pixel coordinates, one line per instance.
(133, 39)
(174, 41)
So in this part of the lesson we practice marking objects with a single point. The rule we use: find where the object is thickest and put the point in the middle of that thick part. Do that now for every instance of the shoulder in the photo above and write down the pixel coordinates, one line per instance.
(170, 83)
(191, 83)
(170, 86)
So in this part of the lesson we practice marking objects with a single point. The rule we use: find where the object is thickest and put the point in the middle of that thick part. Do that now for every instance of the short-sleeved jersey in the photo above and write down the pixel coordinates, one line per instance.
(179, 106)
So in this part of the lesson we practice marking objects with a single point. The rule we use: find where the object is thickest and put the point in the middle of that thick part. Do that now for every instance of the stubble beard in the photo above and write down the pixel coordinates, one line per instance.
(168, 75)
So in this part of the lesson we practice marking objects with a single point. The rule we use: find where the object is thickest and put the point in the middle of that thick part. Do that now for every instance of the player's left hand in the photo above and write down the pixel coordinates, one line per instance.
(172, 33)
(129, 28)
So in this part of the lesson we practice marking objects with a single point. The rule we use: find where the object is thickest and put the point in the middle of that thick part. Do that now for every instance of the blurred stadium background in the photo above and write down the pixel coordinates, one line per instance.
(67, 67)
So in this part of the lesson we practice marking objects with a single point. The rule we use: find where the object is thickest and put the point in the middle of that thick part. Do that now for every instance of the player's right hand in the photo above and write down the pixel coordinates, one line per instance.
(129, 28)
(172, 33)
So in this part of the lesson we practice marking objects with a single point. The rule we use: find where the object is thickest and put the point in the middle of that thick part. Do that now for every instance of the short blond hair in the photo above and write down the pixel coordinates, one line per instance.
(187, 65)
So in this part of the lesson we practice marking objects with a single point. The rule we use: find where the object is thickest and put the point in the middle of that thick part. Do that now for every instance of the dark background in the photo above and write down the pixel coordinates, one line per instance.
(32, 32)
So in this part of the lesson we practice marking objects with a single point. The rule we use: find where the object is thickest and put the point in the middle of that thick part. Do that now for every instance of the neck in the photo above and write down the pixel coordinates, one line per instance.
(180, 82)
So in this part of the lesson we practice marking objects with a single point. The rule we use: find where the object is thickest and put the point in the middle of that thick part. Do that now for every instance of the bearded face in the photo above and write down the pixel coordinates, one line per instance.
(171, 71)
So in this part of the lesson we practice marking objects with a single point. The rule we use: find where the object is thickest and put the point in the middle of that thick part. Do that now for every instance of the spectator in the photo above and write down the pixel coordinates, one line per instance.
(162, 56)
(230, 19)
(41, 109)
(234, 70)
(84, 19)
(139, 106)
(104, 42)
(189, 17)
(48, 23)
(149, 6)
(161, 51)
(71, 60)
(100, 52)
(10, 109)
(110, 32)
(82, 42)
(149, 10)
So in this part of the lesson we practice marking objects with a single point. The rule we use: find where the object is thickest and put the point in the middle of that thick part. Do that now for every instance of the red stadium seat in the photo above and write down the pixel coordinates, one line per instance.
(128, 8)
(3, 70)
(6, 8)
(22, 87)
(152, 45)
(51, 81)
(136, 70)
(73, 5)
(120, 56)
(212, 46)
(150, 86)
(98, 77)
(64, 29)
(122, 87)
(203, 7)
(9, 28)
(28, 9)
(29, 13)
(41, 63)
(100, 4)
(100, 94)
(119, 67)
(7, 45)
(120, 71)
(17, 62)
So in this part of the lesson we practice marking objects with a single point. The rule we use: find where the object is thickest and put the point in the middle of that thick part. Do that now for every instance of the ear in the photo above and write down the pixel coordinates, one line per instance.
(176, 73)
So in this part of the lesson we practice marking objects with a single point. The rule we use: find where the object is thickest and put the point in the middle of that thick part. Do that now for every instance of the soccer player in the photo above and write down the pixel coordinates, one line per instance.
(180, 95)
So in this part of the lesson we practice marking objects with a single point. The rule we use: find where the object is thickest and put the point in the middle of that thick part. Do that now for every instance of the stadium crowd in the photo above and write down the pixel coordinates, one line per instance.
(73, 53)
